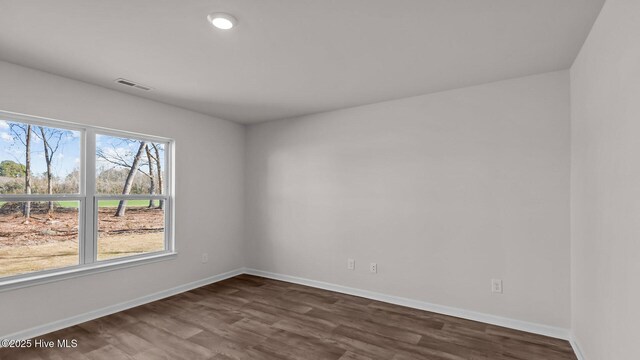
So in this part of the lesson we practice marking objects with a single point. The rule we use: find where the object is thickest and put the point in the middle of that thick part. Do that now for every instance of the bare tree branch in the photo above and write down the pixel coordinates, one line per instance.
(116, 158)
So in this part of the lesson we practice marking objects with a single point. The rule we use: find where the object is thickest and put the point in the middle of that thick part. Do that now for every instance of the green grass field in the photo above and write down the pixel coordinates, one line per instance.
(114, 203)
(103, 203)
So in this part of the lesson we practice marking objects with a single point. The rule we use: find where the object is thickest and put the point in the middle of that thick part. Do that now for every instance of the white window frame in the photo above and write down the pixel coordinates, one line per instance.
(88, 262)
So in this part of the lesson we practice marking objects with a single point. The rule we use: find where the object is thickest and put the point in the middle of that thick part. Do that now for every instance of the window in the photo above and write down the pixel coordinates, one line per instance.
(78, 198)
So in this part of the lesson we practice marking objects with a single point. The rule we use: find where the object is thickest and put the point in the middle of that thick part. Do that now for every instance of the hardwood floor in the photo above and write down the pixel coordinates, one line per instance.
(248, 317)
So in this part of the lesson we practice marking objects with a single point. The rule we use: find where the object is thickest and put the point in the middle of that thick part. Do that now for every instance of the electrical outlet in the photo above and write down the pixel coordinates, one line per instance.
(205, 257)
(373, 267)
(496, 286)
(351, 264)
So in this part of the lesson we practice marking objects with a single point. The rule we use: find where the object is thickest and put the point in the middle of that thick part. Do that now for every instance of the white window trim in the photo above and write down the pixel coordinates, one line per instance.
(87, 246)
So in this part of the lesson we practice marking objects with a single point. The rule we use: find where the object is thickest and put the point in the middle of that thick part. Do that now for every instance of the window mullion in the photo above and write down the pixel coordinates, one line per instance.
(89, 175)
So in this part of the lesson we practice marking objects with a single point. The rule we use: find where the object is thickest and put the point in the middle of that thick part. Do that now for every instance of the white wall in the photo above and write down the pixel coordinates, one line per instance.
(207, 220)
(605, 97)
(443, 191)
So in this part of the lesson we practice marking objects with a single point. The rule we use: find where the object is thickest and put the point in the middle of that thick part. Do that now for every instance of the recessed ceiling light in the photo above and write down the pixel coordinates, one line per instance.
(222, 21)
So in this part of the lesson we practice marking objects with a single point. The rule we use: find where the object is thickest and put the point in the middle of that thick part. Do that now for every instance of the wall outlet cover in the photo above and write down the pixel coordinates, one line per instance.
(351, 264)
(496, 286)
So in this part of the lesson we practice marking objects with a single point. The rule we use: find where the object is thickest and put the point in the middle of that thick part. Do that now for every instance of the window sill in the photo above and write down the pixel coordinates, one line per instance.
(83, 270)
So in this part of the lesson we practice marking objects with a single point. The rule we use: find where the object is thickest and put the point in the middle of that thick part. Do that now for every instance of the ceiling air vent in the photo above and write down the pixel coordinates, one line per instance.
(132, 84)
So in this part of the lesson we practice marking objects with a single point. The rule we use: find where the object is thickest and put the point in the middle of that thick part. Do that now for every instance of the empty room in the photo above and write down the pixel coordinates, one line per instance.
(320, 180)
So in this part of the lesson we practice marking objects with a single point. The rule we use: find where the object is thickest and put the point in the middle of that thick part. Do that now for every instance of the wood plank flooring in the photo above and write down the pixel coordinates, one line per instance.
(248, 317)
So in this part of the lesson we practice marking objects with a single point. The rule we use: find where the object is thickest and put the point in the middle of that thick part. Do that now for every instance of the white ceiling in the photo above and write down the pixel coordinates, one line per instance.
(293, 57)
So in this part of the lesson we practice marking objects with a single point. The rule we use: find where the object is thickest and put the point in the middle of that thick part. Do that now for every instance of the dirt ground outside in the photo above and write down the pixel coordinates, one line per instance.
(50, 241)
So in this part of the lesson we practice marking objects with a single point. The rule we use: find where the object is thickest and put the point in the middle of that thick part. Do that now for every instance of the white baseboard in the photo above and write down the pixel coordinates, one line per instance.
(78, 319)
(576, 348)
(540, 329)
